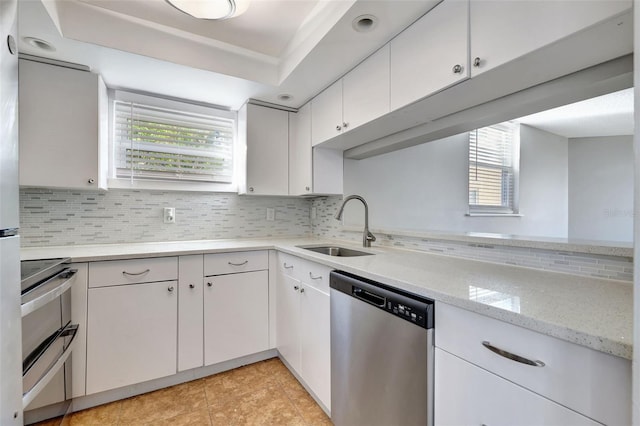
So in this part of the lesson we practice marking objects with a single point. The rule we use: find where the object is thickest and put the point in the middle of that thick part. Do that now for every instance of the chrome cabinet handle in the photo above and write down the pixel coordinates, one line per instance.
(319, 277)
(302, 290)
(135, 274)
(457, 69)
(338, 127)
(192, 286)
(209, 284)
(170, 289)
(345, 125)
(512, 356)
(476, 62)
(238, 264)
(251, 189)
(296, 288)
(287, 267)
(91, 181)
(307, 188)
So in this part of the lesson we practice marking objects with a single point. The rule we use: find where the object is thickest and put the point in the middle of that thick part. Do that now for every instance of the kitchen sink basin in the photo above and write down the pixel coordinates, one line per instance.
(337, 251)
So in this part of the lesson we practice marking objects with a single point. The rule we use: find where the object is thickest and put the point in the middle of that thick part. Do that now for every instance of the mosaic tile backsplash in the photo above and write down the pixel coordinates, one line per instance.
(51, 217)
(67, 217)
(600, 266)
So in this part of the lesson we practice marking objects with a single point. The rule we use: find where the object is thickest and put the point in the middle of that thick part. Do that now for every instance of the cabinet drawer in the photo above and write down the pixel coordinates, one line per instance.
(290, 265)
(469, 395)
(119, 272)
(572, 375)
(240, 261)
(314, 274)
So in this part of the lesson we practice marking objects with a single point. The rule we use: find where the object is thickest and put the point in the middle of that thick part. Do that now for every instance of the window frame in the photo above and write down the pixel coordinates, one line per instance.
(491, 211)
(168, 184)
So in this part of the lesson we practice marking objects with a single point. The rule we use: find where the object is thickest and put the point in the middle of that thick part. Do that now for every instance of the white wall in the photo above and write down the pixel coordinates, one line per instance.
(601, 188)
(425, 188)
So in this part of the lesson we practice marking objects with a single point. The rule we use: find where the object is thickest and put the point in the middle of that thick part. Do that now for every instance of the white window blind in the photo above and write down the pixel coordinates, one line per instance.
(159, 143)
(493, 169)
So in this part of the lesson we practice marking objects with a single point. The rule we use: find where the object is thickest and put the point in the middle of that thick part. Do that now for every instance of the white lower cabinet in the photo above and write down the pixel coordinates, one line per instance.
(303, 327)
(491, 372)
(288, 320)
(468, 395)
(236, 315)
(315, 338)
(132, 334)
(190, 312)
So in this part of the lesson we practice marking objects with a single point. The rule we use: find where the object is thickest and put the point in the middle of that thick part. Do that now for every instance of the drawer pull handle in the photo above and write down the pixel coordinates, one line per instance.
(238, 264)
(287, 267)
(192, 286)
(319, 277)
(209, 284)
(511, 356)
(135, 274)
(170, 289)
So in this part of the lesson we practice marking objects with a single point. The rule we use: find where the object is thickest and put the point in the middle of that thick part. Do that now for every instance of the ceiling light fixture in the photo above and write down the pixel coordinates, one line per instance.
(39, 43)
(365, 23)
(211, 9)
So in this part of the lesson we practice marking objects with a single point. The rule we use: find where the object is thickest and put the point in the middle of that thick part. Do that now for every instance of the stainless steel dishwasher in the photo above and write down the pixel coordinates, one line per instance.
(381, 354)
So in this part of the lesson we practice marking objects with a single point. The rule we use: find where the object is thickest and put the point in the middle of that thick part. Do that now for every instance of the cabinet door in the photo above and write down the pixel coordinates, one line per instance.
(132, 334)
(505, 30)
(190, 312)
(288, 320)
(300, 160)
(267, 151)
(315, 342)
(326, 114)
(468, 395)
(366, 90)
(236, 315)
(59, 127)
(425, 56)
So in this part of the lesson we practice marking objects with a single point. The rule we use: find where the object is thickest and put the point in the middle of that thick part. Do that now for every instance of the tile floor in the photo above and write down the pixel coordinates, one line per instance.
(264, 393)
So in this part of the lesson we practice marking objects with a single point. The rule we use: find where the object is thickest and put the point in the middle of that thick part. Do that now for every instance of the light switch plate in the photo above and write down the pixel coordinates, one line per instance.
(271, 214)
(169, 215)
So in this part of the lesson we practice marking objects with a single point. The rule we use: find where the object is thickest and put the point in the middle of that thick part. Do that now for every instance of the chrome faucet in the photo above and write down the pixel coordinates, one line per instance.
(367, 236)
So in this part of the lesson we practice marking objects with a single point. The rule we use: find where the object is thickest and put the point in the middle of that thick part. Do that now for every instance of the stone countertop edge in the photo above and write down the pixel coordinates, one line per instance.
(572, 313)
(604, 248)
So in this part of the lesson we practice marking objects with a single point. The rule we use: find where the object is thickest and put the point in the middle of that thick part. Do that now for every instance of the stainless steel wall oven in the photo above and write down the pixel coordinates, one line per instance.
(47, 338)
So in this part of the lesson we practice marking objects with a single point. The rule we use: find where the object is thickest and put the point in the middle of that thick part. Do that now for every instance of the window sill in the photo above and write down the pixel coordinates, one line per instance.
(494, 215)
(172, 185)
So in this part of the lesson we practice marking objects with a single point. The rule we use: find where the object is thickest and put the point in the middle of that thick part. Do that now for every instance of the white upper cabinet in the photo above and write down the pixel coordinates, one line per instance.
(311, 170)
(326, 114)
(502, 31)
(267, 138)
(365, 90)
(431, 54)
(359, 97)
(62, 127)
(300, 154)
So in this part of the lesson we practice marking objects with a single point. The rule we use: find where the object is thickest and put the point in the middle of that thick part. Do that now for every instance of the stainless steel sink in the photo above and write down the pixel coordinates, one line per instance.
(337, 251)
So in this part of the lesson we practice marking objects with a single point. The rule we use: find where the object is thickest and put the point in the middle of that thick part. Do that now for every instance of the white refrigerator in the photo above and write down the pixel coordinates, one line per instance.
(10, 316)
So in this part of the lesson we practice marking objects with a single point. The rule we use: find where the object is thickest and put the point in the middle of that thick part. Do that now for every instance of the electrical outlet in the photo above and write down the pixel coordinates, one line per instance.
(271, 214)
(169, 215)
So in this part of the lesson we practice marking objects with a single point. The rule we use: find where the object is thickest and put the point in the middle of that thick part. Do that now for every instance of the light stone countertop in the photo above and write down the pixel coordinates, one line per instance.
(591, 312)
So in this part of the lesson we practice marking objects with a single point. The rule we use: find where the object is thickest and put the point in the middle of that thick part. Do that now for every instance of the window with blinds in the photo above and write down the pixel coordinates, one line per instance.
(493, 169)
(166, 144)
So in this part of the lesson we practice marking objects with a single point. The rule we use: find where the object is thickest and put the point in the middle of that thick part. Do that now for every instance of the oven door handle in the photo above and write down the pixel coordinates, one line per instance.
(48, 290)
(69, 332)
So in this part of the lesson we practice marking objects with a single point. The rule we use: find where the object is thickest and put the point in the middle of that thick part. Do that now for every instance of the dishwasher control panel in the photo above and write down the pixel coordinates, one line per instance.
(410, 307)
(407, 312)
